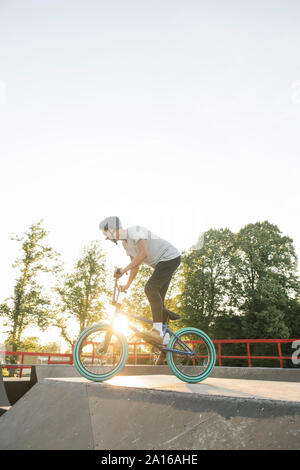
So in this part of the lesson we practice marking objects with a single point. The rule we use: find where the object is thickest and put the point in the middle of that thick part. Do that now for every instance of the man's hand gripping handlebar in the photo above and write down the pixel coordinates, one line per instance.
(117, 290)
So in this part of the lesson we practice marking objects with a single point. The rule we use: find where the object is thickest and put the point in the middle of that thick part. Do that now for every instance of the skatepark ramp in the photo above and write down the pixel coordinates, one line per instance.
(154, 412)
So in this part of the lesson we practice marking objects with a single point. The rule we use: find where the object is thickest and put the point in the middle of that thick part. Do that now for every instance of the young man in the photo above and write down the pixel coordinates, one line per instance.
(144, 246)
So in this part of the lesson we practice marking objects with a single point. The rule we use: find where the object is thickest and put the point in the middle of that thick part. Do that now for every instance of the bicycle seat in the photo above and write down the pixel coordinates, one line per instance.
(168, 314)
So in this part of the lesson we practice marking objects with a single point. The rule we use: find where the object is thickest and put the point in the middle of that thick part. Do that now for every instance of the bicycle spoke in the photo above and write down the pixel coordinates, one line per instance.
(96, 356)
(194, 355)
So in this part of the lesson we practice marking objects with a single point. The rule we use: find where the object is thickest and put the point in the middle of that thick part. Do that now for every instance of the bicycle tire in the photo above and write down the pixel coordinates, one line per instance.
(186, 372)
(81, 359)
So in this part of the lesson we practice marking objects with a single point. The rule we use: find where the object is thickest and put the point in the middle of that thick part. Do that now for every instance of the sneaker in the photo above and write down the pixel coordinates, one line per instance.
(166, 339)
(154, 335)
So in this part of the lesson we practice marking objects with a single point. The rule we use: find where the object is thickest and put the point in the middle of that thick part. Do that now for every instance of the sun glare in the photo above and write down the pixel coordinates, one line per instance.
(120, 322)
(121, 325)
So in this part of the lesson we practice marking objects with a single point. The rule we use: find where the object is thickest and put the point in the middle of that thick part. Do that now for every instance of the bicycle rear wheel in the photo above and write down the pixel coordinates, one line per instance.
(192, 368)
(100, 353)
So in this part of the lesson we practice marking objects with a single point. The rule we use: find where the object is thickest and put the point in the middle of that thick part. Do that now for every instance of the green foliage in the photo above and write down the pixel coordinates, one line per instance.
(292, 317)
(205, 279)
(82, 292)
(227, 326)
(266, 267)
(32, 344)
(242, 285)
(267, 280)
(268, 323)
(30, 305)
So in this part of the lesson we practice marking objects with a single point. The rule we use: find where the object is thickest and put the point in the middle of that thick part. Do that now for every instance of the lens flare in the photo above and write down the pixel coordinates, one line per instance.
(121, 325)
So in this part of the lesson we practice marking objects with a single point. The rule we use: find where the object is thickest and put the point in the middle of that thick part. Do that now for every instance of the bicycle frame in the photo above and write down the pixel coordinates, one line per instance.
(187, 352)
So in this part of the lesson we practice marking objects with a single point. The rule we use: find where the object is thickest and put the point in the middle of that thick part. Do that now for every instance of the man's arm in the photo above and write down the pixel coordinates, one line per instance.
(136, 261)
(132, 275)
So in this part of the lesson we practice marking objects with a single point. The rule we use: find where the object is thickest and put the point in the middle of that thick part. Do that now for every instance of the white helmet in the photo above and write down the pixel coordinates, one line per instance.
(110, 224)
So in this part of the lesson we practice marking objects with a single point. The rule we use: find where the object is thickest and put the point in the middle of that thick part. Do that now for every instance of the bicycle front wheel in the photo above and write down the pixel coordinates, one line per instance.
(194, 355)
(100, 353)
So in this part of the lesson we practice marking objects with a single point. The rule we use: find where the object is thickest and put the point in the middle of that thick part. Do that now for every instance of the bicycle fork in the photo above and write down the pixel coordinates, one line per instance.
(103, 347)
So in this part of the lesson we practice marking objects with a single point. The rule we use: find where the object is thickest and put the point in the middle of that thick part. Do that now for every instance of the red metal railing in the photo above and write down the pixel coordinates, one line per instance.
(248, 342)
(134, 356)
(24, 354)
(248, 356)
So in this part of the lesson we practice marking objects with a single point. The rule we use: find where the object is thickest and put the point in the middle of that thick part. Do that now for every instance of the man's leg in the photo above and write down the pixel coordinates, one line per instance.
(157, 286)
(164, 289)
(152, 291)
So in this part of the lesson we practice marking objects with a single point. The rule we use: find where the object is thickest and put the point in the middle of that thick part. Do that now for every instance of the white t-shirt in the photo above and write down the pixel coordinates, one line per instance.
(158, 249)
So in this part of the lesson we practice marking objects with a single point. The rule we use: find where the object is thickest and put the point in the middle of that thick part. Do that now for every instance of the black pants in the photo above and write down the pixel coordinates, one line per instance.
(157, 286)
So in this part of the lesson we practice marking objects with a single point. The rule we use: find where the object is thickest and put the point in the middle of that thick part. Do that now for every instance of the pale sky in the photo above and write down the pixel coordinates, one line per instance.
(178, 116)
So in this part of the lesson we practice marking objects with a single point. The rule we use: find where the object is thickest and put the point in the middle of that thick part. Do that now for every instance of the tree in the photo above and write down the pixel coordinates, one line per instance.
(267, 280)
(32, 344)
(292, 317)
(205, 279)
(82, 293)
(30, 304)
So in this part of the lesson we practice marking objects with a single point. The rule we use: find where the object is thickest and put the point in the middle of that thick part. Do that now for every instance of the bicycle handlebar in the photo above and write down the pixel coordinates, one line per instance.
(117, 289)
(116, 292)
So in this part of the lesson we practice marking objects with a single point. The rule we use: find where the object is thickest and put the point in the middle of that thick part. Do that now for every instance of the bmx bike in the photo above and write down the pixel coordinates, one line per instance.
(101, 351)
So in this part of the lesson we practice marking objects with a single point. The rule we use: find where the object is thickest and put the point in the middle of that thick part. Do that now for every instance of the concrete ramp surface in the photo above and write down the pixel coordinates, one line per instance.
(73, 413)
